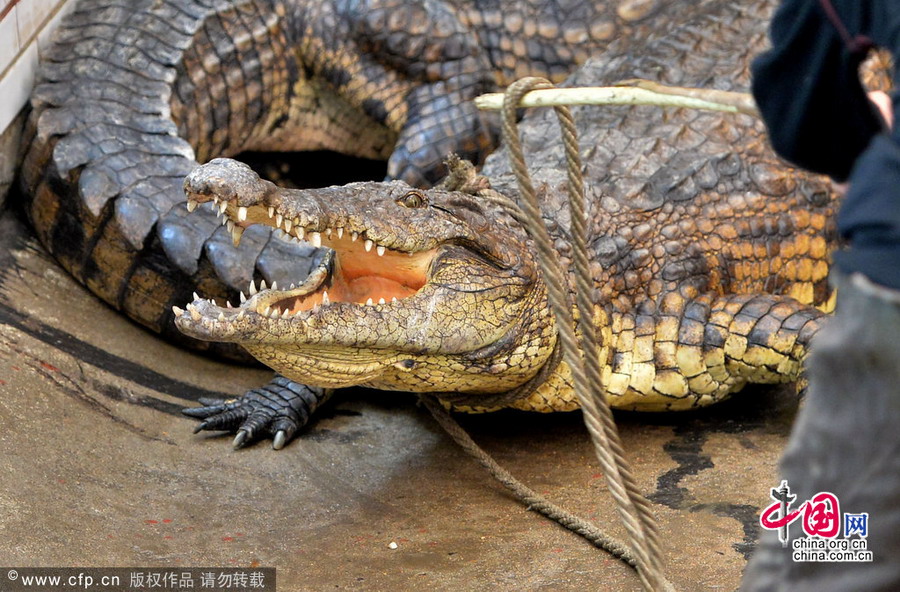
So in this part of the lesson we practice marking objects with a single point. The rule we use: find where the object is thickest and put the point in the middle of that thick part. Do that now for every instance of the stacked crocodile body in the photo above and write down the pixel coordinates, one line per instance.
(710, 255)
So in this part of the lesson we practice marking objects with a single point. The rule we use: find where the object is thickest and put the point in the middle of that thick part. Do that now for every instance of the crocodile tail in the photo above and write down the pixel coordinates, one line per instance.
(105, 156)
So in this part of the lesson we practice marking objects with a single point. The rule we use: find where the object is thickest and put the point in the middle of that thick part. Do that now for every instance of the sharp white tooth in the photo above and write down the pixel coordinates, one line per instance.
(274, 285)
(240, 314)
(242, 213)
(192, 205)
(178, 312)
(369, 302)
(297, 221)
(286, 313)
(340, 232)
(381, 301)
(252, 289)
(267, 311)
(278, 219)
(353, 236)
(288, 224)
(275, 314)
(223, 206)
(325, 299)
(262, 285)
(368, 244)
(394, 299)
(293, 285)
(299, 232)
(196, 296)
(228, 304)
(328, 232)
(380, 250)
(195, 314)
(236, 233)
(315, 308)
(243, 298)
(271, 211)
(316, 239)
(215, 200)
(229, 225)
(221, 317)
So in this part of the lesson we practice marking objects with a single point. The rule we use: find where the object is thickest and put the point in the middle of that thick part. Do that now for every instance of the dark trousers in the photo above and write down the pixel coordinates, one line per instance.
(846, 441)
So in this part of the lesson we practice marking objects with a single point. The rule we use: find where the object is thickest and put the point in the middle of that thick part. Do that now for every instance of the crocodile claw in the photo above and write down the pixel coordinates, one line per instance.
(240, 439)
(280, 439)
(278, 409)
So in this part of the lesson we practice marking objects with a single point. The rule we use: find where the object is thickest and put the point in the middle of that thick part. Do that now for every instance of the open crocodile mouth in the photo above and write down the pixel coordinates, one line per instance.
(359, 269)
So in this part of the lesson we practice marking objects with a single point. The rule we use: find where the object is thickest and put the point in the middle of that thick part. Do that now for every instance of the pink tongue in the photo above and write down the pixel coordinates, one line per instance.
(374, 287)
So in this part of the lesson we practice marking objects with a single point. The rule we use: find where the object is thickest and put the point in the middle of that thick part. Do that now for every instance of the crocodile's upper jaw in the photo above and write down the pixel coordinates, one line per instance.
(422, 291)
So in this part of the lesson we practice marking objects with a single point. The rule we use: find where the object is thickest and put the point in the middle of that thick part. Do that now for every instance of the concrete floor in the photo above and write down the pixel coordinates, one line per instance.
(100, 469)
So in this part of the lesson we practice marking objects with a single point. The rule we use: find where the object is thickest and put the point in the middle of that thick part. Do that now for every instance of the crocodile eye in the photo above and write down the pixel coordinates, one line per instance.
(413, 199)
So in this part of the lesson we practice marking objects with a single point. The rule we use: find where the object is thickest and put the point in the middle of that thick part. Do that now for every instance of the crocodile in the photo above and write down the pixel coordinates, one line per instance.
(700, 234)
(710, 257)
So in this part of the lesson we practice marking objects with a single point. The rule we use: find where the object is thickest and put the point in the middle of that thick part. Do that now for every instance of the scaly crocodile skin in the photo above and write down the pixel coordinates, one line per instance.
(699, 231)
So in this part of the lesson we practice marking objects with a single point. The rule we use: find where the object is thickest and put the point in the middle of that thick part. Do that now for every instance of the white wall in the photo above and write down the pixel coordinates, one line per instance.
(25, 27)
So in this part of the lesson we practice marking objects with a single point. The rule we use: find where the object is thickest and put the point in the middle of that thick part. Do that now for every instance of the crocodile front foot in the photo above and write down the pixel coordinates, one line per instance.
(278, 409)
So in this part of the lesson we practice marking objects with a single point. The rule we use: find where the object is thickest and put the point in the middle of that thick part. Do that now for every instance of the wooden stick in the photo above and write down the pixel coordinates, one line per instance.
(632, 92)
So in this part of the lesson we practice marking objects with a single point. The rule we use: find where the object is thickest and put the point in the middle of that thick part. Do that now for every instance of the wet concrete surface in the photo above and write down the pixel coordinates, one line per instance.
(100, 469)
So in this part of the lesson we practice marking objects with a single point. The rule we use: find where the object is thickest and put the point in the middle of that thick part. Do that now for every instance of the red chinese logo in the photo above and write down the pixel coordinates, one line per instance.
(821, 514)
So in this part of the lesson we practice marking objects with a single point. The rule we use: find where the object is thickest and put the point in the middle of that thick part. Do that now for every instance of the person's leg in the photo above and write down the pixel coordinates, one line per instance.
(846, 441)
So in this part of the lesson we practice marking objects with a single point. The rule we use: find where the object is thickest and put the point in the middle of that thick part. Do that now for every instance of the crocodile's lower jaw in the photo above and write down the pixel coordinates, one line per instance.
(341, 367)
(329, 367)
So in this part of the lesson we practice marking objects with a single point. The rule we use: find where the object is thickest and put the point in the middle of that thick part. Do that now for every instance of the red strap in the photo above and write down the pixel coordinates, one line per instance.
(855, 45)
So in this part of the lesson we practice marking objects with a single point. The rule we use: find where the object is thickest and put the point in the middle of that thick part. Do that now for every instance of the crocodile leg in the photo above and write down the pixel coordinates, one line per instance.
(278, 409)
(428, 45)
(415, 66)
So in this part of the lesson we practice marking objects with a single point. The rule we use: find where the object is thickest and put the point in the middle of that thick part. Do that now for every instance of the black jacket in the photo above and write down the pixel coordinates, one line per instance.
(818, 116)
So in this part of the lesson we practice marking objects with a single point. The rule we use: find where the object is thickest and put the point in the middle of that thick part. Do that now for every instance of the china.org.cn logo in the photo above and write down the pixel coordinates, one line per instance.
(822, 522)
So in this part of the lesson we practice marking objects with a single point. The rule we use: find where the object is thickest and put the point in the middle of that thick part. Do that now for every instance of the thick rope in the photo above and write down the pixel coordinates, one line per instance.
(463, 177)
(581, 349)
(586, 372)
(582, 355)
(531, 499)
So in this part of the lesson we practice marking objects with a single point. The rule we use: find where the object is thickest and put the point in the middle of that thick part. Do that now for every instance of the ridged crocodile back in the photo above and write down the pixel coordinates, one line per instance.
(106, 155)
